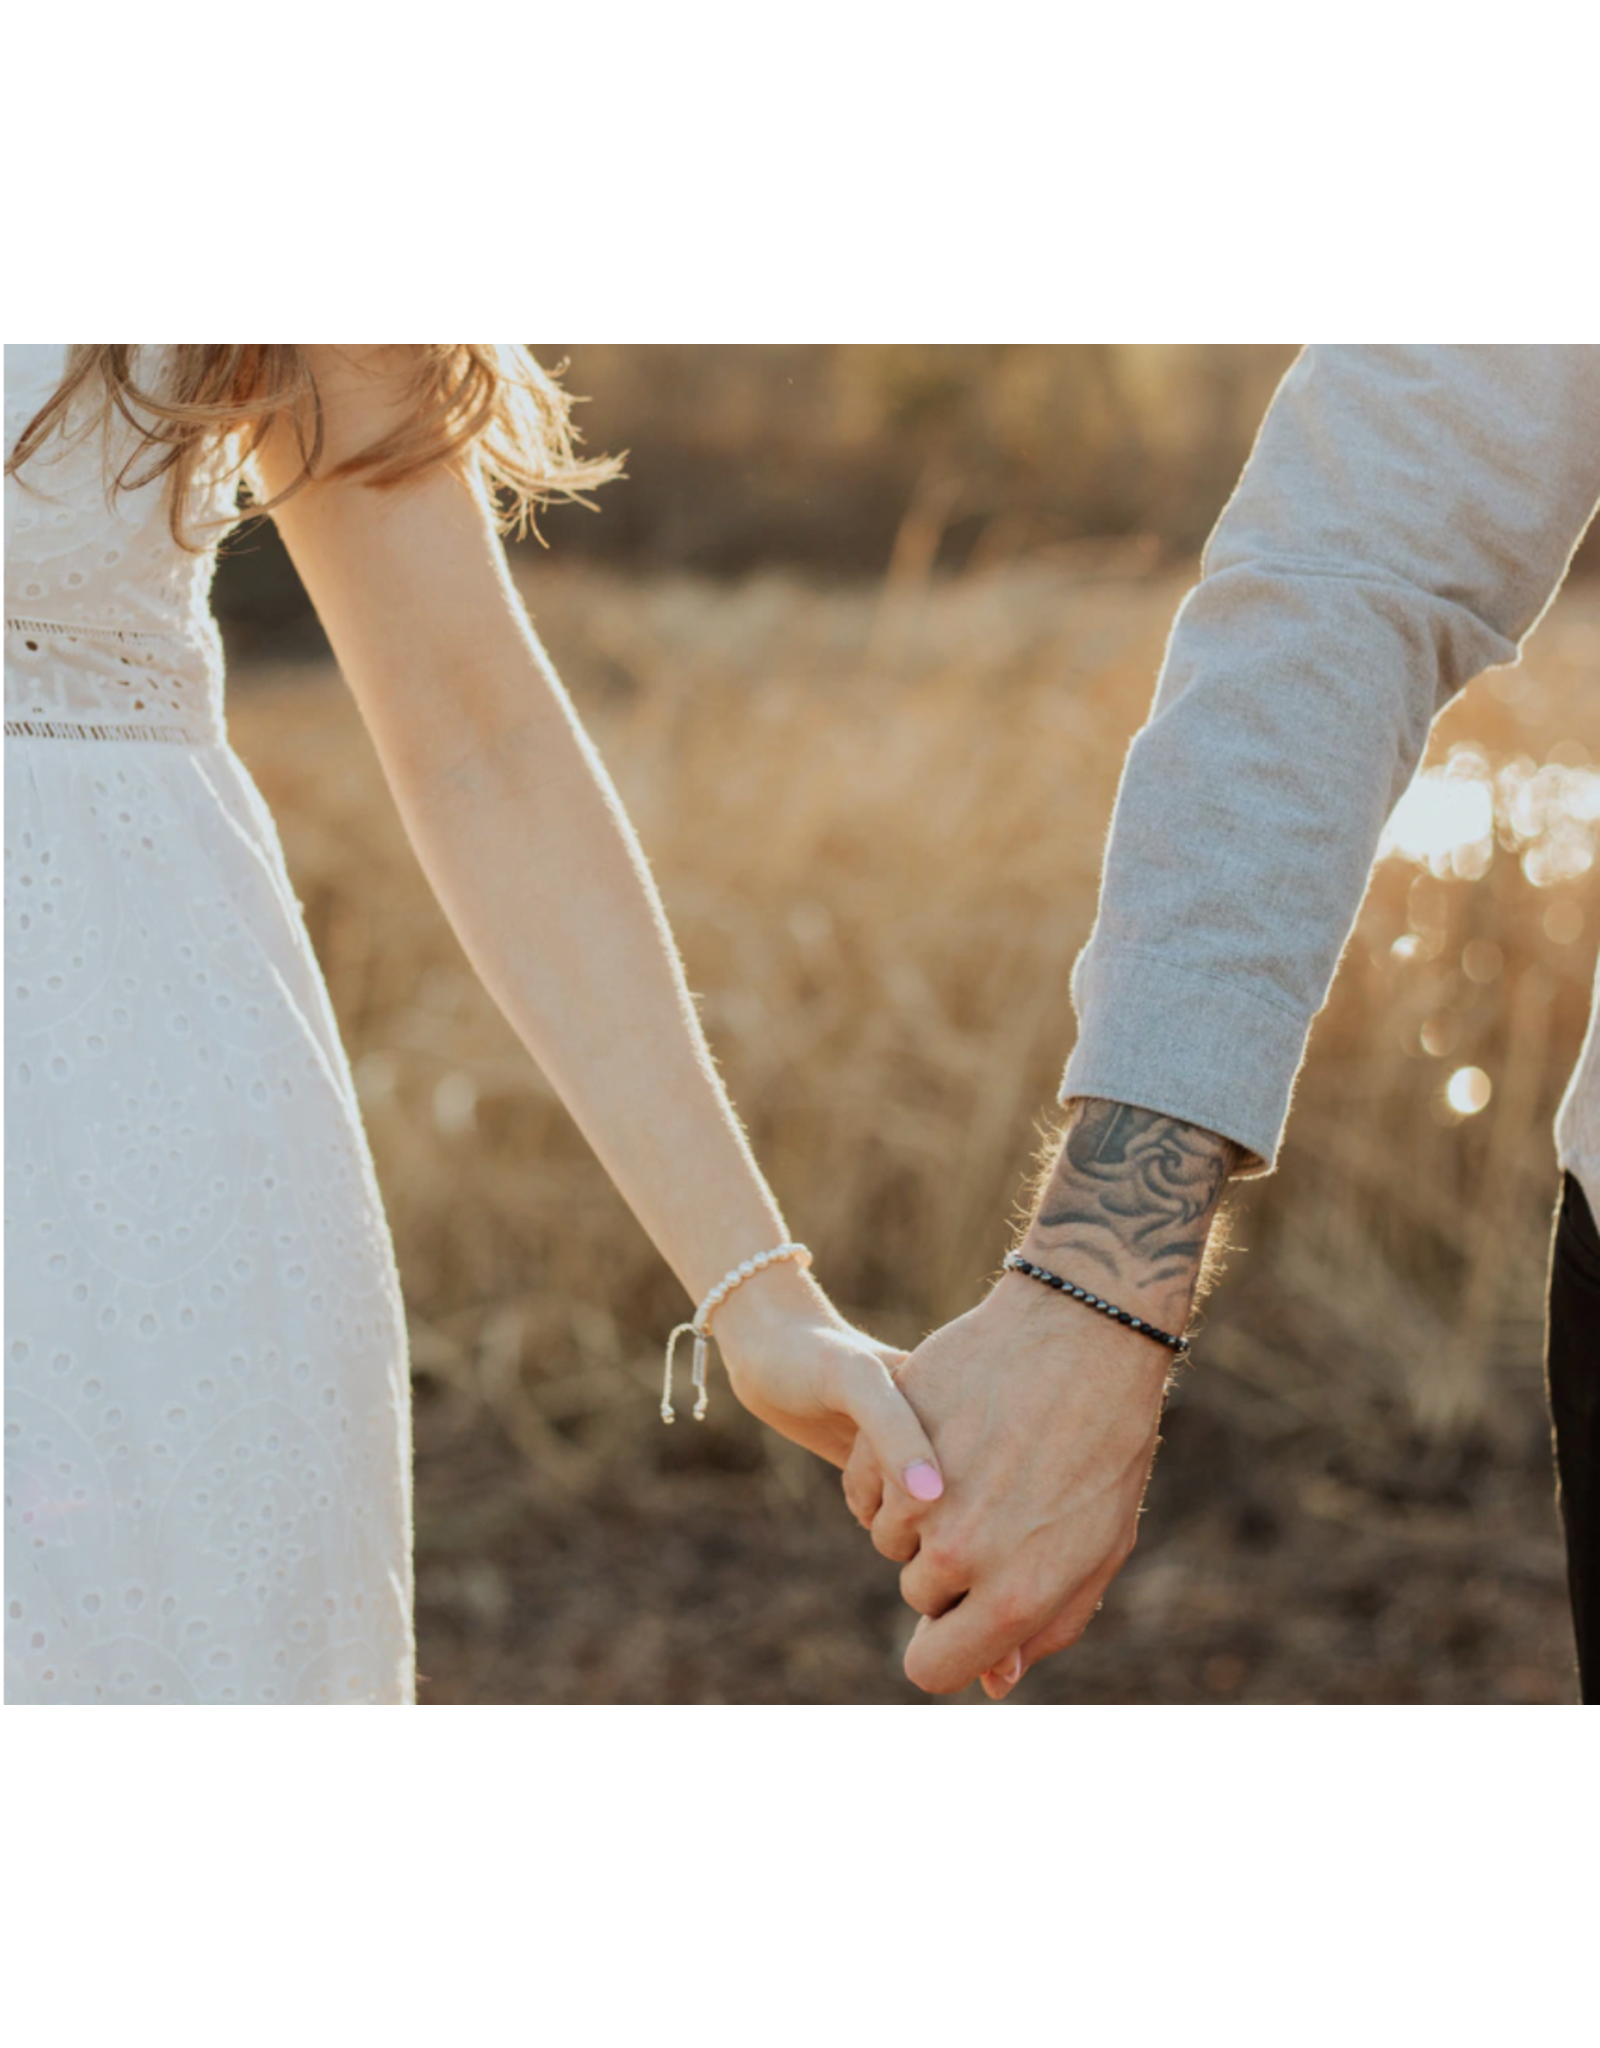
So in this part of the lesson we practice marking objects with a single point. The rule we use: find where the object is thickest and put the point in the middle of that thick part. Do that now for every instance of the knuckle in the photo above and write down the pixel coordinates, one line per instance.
(892, 1539)
(1012, 1609)
(915, 1595)
(949, 1555)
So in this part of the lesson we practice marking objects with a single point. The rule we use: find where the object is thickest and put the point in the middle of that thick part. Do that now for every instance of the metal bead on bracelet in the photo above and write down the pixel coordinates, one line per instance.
(700, 1328)
(1016, 1263)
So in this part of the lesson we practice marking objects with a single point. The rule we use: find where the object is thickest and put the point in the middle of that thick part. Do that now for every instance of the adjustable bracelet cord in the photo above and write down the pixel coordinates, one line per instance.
(697, 1375)
(700, 1328)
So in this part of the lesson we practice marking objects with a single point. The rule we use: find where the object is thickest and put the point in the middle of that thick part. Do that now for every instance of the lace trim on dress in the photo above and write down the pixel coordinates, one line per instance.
(54, 628)
(64, 729)
(148, 666)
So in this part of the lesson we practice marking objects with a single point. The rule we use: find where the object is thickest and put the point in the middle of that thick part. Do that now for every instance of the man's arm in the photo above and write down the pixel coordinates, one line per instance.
(1131, 1200)
(1405, 518)
(1045, 1412)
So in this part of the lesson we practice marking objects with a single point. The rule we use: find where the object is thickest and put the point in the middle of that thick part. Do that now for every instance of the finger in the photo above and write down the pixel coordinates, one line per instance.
(948, 1652)
(999, 1681)
(1059, 1633)
(889, 1423)
(937, 1575)
(895, 1533)
(863, 1481)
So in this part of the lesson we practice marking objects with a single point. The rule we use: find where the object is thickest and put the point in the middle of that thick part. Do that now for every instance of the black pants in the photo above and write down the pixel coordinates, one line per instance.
(1572, 1373)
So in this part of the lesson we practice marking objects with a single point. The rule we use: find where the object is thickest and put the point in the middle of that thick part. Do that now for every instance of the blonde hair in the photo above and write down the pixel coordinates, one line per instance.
(485, 409)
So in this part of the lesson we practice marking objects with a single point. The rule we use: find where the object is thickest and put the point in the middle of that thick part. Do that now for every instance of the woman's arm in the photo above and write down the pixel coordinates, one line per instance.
(527, 846)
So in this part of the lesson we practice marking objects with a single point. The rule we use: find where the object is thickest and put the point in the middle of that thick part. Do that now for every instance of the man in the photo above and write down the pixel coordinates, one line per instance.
(1403, 522)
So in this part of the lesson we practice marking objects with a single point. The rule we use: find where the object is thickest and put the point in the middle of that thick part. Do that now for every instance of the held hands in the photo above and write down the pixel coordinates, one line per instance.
(1046, 1414)
(798, 1366)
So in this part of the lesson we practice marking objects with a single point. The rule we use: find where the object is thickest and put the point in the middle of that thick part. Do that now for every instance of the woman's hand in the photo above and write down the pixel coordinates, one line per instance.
(795, 1363)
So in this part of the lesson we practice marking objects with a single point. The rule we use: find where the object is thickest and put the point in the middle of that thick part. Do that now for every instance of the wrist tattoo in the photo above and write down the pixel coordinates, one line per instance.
(1136, 1192)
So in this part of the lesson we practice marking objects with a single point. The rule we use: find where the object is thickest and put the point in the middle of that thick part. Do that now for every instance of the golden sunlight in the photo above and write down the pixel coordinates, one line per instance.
(1446, 814)
(1468, 1090)
(1451, 817)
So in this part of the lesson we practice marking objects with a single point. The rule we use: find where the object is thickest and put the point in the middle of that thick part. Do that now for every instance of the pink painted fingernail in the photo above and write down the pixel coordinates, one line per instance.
(923, 1481)
(1011, 1669)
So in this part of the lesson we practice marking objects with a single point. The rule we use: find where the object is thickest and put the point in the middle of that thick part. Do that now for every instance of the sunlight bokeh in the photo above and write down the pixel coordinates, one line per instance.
(1451, 818)
(1468, 1090)
(1446, 816)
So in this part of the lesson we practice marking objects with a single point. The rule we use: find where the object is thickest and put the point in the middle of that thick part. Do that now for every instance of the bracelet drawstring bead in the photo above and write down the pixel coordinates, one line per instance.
(1016, 1263)
(700, 1328)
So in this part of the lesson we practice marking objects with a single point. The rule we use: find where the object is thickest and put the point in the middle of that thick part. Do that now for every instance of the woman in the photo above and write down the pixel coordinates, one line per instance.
(207, 1421)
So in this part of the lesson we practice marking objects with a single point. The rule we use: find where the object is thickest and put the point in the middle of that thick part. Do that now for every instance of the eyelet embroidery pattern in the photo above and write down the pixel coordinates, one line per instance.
(108, 620)
(207, 1423)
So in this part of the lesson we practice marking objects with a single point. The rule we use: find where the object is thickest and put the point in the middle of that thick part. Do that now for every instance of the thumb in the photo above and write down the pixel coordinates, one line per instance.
(889, 1423)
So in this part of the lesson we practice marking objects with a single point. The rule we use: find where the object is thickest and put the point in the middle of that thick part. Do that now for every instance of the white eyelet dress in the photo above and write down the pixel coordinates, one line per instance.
(207, 1424)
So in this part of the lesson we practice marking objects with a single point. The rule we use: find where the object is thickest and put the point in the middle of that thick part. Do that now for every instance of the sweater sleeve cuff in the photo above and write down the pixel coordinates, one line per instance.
(1186, 1045)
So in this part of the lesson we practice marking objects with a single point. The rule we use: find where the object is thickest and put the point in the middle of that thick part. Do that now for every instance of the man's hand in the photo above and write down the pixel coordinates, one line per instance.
(1044, 1412)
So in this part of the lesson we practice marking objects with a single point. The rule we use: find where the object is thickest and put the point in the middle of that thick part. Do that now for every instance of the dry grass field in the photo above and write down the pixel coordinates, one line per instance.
(877, 820)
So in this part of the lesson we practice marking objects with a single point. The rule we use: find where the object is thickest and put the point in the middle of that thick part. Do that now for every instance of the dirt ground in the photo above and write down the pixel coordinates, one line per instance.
(1274, 1565)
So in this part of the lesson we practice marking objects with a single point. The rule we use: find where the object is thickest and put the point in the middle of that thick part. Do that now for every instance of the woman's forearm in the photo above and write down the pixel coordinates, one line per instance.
(526, 844)
(528, 849)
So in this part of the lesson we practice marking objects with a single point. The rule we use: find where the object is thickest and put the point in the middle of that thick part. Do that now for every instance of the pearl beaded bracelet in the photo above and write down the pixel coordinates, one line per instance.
(700, 1328)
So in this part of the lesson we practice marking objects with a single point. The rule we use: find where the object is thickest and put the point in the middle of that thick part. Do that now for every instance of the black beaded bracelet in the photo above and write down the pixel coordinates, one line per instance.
(1016, 1263)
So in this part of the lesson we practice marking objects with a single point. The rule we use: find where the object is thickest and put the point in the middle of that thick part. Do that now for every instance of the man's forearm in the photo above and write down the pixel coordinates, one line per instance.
(1131, 1201)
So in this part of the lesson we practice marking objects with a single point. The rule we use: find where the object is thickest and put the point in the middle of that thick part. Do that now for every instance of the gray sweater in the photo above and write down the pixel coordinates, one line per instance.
(1405, 518)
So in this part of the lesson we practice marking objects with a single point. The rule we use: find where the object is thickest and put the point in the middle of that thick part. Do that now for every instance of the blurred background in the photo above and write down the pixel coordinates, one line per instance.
(863, 636)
